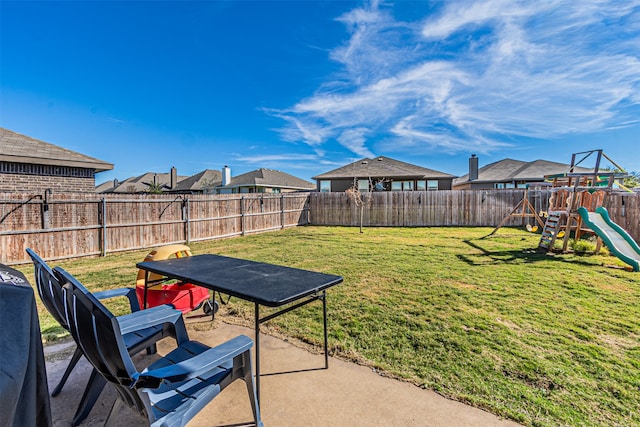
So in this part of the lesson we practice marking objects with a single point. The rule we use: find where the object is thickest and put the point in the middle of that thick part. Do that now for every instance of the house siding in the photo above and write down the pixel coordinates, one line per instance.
(341, 185)
(491, 185)
(39, 183)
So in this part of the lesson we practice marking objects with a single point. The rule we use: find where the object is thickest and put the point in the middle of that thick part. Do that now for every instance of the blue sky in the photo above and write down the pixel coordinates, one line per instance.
(305, 86)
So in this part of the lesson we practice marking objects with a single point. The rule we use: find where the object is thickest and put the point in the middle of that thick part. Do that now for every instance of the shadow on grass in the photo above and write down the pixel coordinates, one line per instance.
(514, 256)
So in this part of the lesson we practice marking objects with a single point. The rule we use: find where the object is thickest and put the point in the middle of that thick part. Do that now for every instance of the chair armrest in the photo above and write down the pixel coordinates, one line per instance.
(130, 293)
(195, 366)
(147, 318)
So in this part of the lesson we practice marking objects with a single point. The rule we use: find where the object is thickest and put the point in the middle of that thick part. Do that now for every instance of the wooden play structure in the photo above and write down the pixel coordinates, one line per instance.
(574, 190)
(563, 215)
(524, 209)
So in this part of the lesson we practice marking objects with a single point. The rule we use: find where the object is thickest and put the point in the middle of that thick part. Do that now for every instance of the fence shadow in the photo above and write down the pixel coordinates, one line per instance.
(527, 256)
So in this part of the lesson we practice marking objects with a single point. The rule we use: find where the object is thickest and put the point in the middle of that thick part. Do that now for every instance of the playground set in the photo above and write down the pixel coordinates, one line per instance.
(576, 207)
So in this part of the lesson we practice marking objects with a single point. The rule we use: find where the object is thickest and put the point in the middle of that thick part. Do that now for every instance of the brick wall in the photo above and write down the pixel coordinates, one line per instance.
(39, 183)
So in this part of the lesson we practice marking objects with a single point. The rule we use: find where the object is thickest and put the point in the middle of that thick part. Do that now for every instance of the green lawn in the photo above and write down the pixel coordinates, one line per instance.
(541, 339)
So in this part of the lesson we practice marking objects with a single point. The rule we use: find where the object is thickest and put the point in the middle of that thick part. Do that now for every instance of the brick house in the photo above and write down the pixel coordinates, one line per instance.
(33, 166)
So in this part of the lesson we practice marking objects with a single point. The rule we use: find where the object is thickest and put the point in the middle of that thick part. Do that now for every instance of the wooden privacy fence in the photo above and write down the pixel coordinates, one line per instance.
(67, 226)
(424, 208)
(465, 208)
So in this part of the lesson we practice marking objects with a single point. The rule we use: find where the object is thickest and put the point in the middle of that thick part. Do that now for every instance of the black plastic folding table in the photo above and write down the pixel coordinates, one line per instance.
(261, 283)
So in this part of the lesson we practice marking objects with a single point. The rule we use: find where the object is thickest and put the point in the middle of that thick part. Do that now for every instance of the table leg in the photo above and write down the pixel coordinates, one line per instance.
(213, 306)
(257, 344)
(326, 340)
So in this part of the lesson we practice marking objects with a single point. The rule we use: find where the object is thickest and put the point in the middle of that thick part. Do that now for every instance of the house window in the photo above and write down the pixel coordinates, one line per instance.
(510, 185)
(432, 185)
(402, 186)
(522, 185)
(498, 185)
(325, 186)
(421, 185)
(363, 185)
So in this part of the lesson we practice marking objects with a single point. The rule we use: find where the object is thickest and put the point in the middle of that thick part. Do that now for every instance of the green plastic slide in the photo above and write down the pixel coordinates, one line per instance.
(619, 242)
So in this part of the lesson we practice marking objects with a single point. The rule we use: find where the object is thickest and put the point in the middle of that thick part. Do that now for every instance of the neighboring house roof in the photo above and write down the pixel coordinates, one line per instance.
(507, 170)
(382, 167)
(18, 148)
(269, 178)
(140, 184)
(106, 187)
(205, 180)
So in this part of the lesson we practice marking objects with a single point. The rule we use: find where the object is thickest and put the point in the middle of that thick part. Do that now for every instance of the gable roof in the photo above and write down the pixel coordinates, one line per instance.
(269, 178)
(517, 170)
(140, 184)
(18, 148)
(107, 186)
(382, 167)
(205, 180)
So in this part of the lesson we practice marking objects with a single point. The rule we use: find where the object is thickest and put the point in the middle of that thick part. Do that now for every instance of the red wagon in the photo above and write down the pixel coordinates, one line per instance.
(183, 296)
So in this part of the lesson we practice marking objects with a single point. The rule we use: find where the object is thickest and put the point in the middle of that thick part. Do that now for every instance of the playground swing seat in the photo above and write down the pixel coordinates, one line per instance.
(185, 297)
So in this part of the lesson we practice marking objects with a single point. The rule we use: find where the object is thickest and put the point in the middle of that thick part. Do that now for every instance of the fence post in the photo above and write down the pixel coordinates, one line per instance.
(186, 214)
(242, 225)
(282, 211)
(103, 213)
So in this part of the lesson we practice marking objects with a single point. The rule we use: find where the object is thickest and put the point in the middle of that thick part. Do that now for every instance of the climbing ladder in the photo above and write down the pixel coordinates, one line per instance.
(550, 230)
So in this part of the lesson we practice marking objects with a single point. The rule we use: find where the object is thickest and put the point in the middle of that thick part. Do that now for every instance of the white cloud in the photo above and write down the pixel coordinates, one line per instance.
(475, 75)
(461, 14)
(354, 139)
(303, 162)
(276, 158)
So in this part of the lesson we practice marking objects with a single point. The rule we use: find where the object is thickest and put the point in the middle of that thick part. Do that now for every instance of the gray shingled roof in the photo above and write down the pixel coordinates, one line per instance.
(140, 184)
(269, 178)
(207, 178)
(106, 187)
(516, 170)
(18, 148)
(382, 167)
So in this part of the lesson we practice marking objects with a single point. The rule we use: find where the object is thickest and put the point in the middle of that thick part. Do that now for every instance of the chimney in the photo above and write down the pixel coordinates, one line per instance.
(473, 168)
(226, 175)
(174, 178)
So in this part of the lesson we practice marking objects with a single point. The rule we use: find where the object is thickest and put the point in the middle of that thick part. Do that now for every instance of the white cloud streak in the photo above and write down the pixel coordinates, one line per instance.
(475, 75)
(276, 158)
(287, 160)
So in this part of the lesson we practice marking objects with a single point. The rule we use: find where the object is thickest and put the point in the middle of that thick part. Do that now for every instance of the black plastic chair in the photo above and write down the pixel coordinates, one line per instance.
(137, 339)
(172, 390)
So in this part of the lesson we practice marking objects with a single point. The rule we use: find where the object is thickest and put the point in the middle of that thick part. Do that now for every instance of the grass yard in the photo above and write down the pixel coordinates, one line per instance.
(541, 339)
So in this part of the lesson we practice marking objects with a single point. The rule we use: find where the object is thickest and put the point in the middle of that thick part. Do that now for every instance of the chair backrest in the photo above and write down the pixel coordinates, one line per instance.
(97, 332)
(49, 289)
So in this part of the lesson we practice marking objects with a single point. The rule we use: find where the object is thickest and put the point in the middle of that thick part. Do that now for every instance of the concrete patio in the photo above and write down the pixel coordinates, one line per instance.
(295, 391)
